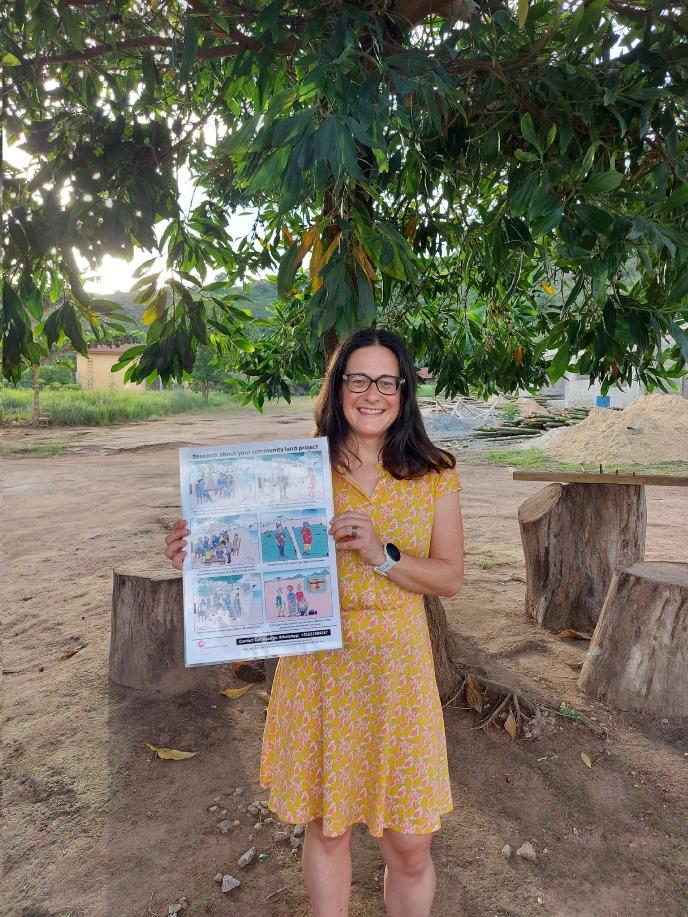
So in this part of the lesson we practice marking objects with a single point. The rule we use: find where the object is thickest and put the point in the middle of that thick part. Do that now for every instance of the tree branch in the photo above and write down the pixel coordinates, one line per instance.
(641, 14)
(157, 41)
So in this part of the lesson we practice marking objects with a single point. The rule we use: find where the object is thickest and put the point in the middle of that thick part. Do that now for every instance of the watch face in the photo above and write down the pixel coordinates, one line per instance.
(393, 551)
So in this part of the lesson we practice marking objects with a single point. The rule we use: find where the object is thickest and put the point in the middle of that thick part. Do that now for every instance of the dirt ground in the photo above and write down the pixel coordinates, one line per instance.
(96, 825)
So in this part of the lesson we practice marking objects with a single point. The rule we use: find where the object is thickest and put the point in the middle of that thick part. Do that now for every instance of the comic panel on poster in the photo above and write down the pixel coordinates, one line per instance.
(260, 575)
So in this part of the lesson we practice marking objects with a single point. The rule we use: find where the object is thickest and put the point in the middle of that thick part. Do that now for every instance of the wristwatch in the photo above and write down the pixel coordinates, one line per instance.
(393, 557)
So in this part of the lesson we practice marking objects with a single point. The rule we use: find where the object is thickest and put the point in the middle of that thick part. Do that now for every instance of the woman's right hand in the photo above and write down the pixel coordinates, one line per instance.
(176, 544)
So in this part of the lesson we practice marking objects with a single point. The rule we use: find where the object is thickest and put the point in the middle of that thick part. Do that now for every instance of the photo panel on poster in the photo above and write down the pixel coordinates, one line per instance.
(295, 477)
(293, 535)
(223, 483)
(220, 541)
(223, 602)
(297, 594)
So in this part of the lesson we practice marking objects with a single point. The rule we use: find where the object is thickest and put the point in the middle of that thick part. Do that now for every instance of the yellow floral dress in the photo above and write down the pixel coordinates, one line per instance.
(357, 734)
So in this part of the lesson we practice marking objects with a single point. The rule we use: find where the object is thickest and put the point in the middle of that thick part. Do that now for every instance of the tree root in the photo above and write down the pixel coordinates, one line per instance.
(479, 692)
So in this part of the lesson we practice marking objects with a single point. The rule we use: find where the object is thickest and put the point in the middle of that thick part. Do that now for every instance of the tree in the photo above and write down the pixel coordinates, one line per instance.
(499, 182)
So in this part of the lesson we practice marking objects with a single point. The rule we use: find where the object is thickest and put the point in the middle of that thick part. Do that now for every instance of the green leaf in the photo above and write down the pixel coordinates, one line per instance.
(678, 198)
(287, 271)
(679, 290)
(559, 364)
(586, 759)
(367, 307)
(526, 156)
(10, 60)
(522, 13)
(528, 129)
(602, 183)
(600, 221)
(190, 45)
(681, 338)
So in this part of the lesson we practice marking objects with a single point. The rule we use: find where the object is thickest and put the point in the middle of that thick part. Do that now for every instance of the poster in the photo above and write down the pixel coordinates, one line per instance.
(260, 576)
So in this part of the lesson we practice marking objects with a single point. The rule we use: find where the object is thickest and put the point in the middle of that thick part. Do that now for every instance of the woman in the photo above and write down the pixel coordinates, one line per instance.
(356, 735)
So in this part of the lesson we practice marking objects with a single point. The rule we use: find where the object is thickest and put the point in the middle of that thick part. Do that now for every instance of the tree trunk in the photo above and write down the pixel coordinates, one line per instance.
(574, 537)
(147, 635)
(36, 396)
(442, 645)
(638, 658)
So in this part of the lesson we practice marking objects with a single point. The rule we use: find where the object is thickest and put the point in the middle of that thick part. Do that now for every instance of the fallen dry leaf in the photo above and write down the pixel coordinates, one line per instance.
(586, 759)
(573, 635)
(575, 664)
(474, 695)
(171, 754)
(510, 724)
(70, 653)
(236, 692)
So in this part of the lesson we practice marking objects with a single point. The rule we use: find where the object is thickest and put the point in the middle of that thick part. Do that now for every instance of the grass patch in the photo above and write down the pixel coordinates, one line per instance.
(33, 451)
(97, 409)
(537, 460)
(488, 559)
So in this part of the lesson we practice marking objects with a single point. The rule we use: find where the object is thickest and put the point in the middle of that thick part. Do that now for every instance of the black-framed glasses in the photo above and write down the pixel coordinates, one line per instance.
(360, 382)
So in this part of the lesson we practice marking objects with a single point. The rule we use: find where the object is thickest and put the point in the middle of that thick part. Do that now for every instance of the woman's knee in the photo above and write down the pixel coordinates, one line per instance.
(407, 853)
(330, 846)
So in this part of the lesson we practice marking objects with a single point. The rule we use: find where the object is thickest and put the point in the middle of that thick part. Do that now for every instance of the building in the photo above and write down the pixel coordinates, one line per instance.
(94, 372)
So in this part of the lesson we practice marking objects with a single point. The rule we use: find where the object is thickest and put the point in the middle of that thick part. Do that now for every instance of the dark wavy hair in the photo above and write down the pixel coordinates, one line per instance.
(407, 451)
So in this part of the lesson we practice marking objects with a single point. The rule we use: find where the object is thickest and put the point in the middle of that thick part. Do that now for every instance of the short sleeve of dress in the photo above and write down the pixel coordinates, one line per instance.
(447, 482)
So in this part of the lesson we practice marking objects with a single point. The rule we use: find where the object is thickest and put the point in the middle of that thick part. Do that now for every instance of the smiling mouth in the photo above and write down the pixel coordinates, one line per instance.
(373, 412)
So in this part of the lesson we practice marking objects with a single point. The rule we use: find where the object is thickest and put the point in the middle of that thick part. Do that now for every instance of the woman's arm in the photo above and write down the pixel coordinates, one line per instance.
(441, 573)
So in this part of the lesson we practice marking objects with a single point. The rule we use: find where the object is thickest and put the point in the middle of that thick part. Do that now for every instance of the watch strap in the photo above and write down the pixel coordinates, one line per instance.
(387, 564)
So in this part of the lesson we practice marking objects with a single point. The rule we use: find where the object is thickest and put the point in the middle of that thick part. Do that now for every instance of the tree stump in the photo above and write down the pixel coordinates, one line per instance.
(147, 635)
(574, 537)
(638, 658)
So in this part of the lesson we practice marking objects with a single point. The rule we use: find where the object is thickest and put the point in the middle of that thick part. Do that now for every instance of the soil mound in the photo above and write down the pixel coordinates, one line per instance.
(651, 429)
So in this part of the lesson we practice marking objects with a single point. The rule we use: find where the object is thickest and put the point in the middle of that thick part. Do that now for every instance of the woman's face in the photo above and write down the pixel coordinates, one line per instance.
(370, 414)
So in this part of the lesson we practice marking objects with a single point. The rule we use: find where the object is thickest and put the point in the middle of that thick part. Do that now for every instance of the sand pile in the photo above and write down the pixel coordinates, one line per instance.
(651, 429)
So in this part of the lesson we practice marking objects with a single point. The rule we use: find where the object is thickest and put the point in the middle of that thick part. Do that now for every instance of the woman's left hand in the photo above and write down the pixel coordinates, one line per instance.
(355, 532)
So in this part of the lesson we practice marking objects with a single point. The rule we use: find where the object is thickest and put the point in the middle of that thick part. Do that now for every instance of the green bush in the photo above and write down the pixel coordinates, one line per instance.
(509, 412)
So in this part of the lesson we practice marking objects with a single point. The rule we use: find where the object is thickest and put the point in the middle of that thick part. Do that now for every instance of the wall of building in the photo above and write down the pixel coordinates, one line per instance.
(93, 373)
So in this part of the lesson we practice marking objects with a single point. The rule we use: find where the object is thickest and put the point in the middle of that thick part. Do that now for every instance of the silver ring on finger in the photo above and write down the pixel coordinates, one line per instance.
(354, 531)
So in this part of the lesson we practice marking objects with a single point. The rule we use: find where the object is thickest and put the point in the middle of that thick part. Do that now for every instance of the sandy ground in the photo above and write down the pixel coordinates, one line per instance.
(96, 825)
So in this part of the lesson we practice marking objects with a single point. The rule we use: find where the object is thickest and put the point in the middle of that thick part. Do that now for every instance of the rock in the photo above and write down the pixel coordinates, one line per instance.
(258, 826)
(506, 851)
(253, 809)
(295, 843)
(280, 836)
(264, 804)
(527, 852)
(174, 908)
(218, 877)
(299, 831)
(213, 808)
(268, 821)
(229, 882)
(217, 799)
(238, 791)
(246, 858)
(236, 822)
(225, 826)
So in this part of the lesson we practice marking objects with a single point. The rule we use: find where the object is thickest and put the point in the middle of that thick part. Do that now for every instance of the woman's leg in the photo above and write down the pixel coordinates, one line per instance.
(409, 873)
(327, 870)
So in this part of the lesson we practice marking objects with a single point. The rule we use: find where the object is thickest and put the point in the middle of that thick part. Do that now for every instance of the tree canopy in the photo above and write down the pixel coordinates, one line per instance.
(505, 183)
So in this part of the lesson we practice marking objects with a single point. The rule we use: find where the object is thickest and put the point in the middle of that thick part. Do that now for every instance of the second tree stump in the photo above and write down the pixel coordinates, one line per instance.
(638, 658)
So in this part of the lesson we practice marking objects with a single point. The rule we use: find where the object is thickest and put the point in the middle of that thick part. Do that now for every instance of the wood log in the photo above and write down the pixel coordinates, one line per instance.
(574, 537)
(638, 657)
(147, 635)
